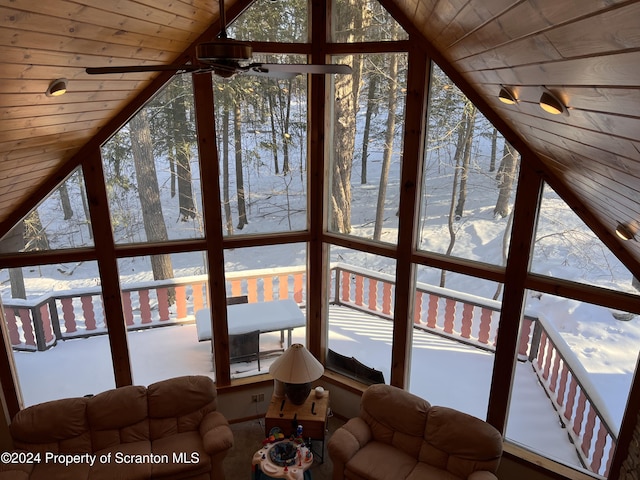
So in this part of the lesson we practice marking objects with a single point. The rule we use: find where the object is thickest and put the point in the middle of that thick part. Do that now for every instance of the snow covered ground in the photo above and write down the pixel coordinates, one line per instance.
(443, 372)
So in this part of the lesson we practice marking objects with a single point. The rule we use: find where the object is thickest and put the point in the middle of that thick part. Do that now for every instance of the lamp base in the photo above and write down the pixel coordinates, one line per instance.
(297, 393)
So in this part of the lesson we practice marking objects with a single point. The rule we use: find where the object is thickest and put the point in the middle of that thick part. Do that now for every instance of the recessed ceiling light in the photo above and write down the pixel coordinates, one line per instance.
(507, 95)
(551, 104)
(57, 87)
(626, 231)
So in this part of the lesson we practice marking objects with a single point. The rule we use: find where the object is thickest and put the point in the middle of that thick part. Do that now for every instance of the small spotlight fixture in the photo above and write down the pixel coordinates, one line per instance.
(551, 104)
(507, 95)
(626, 231)
(57, 87)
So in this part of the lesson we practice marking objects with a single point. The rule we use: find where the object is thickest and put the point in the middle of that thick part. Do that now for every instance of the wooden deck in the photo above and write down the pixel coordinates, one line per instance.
(443, 371)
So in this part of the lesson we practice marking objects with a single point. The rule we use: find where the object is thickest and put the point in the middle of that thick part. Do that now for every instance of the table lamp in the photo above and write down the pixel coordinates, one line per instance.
(296, 368)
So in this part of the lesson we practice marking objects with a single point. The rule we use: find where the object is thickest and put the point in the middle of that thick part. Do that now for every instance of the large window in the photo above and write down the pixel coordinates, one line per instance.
(57, 333)
(453, 337)
(266, 290)
(469, 179)
(261, 125)
(159, 313)
(60, 221)
(367, 144)
(574, 360)
(581, 357)
(151, 171)
(361, 308)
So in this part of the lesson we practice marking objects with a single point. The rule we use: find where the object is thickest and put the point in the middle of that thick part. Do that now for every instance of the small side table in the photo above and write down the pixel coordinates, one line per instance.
(264, 468)
(312, 415)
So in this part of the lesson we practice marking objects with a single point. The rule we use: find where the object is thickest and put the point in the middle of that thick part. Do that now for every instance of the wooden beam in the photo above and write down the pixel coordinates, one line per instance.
(317, 256)
(107, 266)
(408, 212)
(210, 168)
(524, 223)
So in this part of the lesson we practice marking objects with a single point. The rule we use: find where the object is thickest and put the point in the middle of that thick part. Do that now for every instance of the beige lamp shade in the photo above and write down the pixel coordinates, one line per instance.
(296, 365)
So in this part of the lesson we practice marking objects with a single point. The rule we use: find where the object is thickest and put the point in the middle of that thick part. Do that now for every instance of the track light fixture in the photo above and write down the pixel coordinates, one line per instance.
(507, 95)
(551, 104)
(57, 87)
(626, 231)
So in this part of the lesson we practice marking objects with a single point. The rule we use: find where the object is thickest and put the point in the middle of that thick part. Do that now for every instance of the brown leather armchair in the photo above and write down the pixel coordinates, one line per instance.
(401, 436)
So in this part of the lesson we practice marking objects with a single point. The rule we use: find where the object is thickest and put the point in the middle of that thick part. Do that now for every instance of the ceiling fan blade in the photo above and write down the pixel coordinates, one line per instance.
(259, 70)
(143, 68)
(300, 68)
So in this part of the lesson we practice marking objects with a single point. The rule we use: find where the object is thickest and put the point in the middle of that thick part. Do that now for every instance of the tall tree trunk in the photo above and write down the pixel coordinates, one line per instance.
(183, 153)
(225, 169)
(85, 205)
(237, 128)
(457, 158)
(346, 92)
(494, 149)
(344, 144)
(274, 133)
(149, 192)
(388, 146)
(452, 232)
(469, 123)
(284, 107)
(371, 108)
(505, 250)
(506, 175)
(67, 211)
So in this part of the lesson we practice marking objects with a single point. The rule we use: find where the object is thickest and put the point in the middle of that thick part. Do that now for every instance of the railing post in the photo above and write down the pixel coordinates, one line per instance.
(336, 291)
(38, 329)
(12, 325)
(535, 341)
(27, 326)
(55, 318)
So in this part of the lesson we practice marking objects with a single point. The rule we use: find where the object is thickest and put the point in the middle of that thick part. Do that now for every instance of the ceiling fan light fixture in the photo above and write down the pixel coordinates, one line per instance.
(57, 87)
(223, 50)
(507, 95)
(551, 104)
(626, 231)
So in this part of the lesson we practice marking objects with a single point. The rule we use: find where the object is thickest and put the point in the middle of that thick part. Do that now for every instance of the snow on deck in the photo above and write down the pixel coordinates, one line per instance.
(443, 371)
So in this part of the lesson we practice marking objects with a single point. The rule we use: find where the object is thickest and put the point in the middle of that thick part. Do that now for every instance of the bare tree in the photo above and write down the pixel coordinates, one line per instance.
(505, 176)
(182, 148)
(226, 200)
(149, 192)
(237, 129)
(388, 145)
(372, 108)
(466, 125)
(346, 93)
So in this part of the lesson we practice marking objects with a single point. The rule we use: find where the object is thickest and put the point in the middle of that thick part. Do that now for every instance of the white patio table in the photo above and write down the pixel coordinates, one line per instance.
(277, 315)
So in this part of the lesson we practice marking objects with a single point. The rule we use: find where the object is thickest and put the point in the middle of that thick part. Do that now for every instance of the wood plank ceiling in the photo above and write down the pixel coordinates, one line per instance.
(586, 52)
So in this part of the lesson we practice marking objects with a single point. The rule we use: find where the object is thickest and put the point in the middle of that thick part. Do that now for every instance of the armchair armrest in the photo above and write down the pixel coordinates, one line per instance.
(348, 439)
(482, 475)
(216, 433)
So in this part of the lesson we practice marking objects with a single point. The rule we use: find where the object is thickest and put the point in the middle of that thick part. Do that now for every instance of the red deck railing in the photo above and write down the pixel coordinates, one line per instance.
(37, 325)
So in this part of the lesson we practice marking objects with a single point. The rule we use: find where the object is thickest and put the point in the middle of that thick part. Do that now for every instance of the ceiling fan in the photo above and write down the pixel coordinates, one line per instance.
(227, 57)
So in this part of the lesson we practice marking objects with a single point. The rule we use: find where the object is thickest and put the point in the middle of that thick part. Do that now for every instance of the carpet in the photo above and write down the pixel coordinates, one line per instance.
(247, 439)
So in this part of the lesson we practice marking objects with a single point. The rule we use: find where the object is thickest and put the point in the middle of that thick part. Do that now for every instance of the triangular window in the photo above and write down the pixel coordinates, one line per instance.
(566, 248)
(269, 21)
(364, 21)
(60, 221)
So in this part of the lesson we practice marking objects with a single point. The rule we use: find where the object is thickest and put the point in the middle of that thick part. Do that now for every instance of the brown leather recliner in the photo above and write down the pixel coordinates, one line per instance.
(401, 436)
